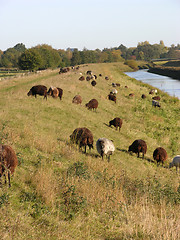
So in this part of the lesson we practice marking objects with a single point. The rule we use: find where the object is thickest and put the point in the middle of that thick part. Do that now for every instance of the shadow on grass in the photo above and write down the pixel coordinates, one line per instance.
(130, 153)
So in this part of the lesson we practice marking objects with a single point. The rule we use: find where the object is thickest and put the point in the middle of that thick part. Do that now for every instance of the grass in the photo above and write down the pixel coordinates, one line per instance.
(60, 193)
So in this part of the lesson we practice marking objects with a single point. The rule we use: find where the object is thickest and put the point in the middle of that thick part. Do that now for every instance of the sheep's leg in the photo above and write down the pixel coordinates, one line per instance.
(5, 178)
(9, 178)
(85, 149)
(138, 154)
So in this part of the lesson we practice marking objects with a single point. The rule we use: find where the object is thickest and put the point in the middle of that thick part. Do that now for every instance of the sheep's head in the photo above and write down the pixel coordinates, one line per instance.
(110, 123)
(171, 165)
(130, 148)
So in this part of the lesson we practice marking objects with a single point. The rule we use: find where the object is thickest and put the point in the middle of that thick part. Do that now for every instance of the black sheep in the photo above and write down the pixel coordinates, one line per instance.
(116, 122)
(138, 146)
(38, 90)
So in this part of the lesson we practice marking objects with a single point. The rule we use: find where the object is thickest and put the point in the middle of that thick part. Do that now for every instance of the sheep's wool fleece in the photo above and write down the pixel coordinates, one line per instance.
(105, 144)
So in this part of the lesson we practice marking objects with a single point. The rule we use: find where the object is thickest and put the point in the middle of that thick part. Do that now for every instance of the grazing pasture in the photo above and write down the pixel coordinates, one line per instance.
(59, 192)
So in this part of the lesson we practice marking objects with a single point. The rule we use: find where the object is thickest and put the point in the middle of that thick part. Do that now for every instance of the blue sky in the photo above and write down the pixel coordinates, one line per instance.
(88, 23)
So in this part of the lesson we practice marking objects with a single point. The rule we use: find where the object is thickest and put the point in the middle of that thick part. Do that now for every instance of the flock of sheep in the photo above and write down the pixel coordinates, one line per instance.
(83, 136)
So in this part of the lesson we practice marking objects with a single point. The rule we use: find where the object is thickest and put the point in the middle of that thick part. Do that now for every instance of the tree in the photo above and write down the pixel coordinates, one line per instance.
(49, 56)
(9, 58)
(30, 60)
(76, 58)
(20, 47)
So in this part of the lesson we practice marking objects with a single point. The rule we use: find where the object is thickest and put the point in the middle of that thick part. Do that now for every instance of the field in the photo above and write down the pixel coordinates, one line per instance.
(58, 192)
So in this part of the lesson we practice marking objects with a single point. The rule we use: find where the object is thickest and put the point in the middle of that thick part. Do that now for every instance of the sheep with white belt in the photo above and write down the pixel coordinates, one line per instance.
(105, 146)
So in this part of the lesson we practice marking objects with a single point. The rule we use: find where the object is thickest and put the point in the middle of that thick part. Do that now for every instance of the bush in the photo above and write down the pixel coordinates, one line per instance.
(132, 64)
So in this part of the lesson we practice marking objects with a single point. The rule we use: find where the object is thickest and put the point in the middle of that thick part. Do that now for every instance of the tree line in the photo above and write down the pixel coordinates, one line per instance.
(44, 56)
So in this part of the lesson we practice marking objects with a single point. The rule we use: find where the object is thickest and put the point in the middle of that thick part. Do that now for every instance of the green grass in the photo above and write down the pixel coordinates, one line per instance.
(60, 193)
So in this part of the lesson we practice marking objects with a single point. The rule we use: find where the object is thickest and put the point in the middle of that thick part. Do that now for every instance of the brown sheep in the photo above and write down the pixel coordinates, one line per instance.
(112, 97)
(38, 90)
(55, 92)
(82, 137)
(93, 83)
(160, 155)
(77, 99)
(131, 95)
(8, 162)
(156, 98)
(116, 122)
(106, 78)
(89, 72)
(138, 146)
(64, 70)
(88, 78)
(92, 104)
(82, 78)
(143, 96)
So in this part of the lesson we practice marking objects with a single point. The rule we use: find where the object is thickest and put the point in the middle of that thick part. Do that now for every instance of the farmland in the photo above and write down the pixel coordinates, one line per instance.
(58, 192)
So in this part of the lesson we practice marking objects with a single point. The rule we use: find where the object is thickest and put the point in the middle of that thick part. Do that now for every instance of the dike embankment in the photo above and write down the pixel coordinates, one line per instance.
(173, 72)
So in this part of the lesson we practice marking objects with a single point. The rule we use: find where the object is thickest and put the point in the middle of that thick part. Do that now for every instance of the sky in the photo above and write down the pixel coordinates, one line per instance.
(90, 24)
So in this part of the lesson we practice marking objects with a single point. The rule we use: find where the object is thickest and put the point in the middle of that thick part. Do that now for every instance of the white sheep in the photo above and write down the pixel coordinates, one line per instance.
(105, 146)
(175, 162)
(113, 91)
(114, 85)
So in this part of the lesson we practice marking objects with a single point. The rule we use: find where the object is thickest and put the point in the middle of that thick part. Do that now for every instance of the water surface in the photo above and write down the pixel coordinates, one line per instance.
(166, 84)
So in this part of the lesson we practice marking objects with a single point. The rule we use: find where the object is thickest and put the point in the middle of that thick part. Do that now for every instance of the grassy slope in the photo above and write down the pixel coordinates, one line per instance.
(128, 198)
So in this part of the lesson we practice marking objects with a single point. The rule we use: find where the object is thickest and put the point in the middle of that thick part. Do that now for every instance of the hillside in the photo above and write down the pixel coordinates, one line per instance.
(58, 192)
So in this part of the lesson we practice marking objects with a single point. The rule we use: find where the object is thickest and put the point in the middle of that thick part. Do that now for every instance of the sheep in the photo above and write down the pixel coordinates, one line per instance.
(82, 78)
(106, 78)
(156, 98)
(113, 91)
(138, 146)
(106, 147)
(92, 104)
(175, 162)
(77, 99)
(131, 95)
(143, 96)
(38, 90)
(160, 155)
(89, 72)
(116, 122)
(112, 97)
(152, 91)
(156, 103)
(55, 92)
(82, 137)
(88, 78)
(93, 83)
(8, 162)
(114, 85)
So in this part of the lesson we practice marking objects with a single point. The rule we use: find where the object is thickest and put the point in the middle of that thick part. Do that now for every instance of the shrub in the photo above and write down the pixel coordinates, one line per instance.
(132, 64)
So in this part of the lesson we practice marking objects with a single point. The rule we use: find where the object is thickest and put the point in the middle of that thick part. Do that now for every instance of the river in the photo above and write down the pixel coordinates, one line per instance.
(166, 84)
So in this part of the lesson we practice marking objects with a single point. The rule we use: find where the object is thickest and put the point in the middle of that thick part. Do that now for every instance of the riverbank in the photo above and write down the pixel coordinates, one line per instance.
(58, 192)
(173, 72)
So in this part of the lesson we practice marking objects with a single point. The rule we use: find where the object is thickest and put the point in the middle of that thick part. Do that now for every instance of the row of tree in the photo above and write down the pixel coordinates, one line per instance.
(44, 56)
